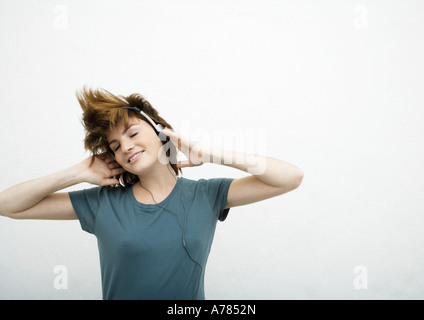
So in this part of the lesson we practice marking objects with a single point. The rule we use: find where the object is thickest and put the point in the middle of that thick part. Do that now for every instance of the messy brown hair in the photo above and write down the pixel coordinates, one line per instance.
(102, 111)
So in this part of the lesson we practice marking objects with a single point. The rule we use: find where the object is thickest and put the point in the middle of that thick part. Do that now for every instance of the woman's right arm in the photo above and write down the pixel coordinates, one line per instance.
(38, 198)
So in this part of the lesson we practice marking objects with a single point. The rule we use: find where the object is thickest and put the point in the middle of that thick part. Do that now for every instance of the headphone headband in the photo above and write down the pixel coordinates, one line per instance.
(157, 126)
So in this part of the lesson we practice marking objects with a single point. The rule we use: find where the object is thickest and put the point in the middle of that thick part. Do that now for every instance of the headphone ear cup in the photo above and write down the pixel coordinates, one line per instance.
(162, 137)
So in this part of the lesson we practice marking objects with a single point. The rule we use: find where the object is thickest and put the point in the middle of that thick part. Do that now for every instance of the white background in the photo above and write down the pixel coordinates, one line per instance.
(336, 85)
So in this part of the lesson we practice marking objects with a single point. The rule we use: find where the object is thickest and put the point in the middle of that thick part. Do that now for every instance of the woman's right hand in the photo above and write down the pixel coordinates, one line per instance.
(100, 170)
(38, 198)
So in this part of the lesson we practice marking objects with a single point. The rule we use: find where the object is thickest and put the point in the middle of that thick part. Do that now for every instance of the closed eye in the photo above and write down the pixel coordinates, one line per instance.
(118, 146)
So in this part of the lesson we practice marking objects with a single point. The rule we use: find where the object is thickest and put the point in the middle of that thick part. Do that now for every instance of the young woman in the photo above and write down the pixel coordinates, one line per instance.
(154, 228)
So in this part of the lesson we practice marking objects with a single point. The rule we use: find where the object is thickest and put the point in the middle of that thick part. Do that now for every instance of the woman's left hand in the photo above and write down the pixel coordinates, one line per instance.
(194, 151)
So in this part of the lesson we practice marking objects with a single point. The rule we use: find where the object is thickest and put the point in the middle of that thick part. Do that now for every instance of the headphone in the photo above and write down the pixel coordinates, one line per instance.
(157, 126)
(164, 138)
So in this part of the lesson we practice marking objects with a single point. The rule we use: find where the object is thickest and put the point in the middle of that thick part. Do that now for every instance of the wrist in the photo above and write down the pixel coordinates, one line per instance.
(221, 156)
(77, 173)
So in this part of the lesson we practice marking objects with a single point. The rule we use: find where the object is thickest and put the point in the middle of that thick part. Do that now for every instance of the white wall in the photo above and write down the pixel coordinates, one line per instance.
(336, 85)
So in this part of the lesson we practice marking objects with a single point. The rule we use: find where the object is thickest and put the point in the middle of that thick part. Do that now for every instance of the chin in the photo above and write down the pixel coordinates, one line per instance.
(140, 168)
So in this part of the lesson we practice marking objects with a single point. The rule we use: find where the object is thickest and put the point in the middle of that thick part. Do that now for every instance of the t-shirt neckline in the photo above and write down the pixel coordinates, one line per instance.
(154, 206)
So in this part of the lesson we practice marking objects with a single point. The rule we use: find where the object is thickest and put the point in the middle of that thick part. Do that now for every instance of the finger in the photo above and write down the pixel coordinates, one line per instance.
(109, 159)
(185, 164)
(174, 137)
(103, 156)
(114, 165)
(168, 132)
(109, 182)
(117, 171)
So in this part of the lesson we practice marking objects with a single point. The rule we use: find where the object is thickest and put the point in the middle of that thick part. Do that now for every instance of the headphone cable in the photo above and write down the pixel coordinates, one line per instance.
(183, 229)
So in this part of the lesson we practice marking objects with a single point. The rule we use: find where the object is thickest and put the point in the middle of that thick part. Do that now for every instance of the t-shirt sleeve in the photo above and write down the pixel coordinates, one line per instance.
(217, 190)
(86, 205)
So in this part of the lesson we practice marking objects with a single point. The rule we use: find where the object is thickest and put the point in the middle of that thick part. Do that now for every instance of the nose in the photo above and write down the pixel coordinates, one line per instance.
(127, 146)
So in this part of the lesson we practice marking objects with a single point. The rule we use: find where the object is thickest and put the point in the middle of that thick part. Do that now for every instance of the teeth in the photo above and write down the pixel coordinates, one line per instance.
(134, 156)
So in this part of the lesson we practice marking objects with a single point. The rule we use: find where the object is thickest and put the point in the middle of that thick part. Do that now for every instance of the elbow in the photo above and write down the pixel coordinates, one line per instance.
(2, 212)
(292, 183)
(5, 210)
(5, 214)
(297, 179)
(14, 216)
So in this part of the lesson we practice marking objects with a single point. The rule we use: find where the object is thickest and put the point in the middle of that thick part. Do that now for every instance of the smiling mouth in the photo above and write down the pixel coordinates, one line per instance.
(134, 157)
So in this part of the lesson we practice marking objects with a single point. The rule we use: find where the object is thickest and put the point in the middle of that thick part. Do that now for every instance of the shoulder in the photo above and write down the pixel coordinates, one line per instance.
(97, 193)
(206, 185)
(195, 183)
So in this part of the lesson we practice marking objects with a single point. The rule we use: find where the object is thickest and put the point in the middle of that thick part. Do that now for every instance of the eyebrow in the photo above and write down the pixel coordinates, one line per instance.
(123, 132)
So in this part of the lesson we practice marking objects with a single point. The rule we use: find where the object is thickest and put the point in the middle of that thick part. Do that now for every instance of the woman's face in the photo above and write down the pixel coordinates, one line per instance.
(136, 146)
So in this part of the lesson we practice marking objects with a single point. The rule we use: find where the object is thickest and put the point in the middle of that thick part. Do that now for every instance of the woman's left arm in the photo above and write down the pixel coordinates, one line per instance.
(269, 177)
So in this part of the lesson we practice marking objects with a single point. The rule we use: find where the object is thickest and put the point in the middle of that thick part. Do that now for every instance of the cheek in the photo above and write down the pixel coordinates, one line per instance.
(156, 149)
(152, 143)
(119, 158)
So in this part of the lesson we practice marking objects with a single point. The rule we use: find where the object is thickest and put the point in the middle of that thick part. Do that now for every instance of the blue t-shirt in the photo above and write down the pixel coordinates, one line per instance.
(141, 249)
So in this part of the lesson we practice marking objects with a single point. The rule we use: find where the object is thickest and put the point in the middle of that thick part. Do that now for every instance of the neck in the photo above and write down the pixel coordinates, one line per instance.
(158, 184)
